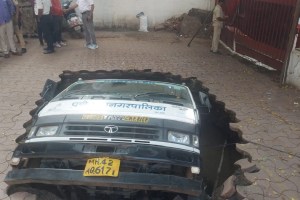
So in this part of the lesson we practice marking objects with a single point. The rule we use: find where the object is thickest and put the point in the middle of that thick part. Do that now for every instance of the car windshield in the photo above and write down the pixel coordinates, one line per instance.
(135, 90)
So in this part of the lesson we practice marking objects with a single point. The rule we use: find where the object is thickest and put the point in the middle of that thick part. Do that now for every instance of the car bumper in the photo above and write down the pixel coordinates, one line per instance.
(138, 152)
(129, 180)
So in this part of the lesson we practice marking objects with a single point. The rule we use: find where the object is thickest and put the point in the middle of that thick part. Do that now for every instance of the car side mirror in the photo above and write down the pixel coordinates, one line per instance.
(205, 105)
(49, 90)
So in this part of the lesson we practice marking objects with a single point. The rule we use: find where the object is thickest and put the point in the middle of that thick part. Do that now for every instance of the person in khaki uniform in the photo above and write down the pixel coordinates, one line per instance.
(18, 26)
(217, 22)
(29, 26)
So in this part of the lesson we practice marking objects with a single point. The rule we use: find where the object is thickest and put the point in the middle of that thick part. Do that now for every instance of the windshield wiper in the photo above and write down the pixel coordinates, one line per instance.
(157, 94)
(69, 97)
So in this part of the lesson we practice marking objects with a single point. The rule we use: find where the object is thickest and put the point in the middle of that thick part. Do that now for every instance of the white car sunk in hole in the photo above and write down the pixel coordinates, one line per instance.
(112, 139)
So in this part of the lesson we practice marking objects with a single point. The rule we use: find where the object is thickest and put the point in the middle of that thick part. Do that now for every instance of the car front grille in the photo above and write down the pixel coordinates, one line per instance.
(132, 132)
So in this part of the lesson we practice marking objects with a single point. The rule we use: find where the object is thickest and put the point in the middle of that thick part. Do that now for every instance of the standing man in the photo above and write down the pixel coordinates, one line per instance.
(17, 22)
(42, 10)
(57, 14)
(217, 22)
(7, 11)
(28, 20)
(86, 7)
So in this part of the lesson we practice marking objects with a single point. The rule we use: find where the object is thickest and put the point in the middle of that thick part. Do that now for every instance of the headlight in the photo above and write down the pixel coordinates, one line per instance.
(15, 161)
(178, 137)
(195, 141)
(195, 170)
(47, 131)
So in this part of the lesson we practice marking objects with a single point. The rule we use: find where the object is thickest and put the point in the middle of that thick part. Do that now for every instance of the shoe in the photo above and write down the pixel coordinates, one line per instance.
(16, 53)
(56, 45)
(91, 46)
(6, 55)
(95, 46)
(48, 51)
(46, 48)
(216, 52)
(63, 43)
(23, 50)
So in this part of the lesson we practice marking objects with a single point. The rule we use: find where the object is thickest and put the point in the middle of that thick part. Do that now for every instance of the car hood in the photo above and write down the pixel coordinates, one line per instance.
(119, 107)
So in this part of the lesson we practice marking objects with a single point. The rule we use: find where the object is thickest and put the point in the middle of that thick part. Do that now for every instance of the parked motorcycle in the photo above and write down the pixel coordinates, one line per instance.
(73, 21)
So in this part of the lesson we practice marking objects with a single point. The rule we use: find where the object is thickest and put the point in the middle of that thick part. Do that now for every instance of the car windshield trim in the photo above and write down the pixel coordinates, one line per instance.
(134, 90)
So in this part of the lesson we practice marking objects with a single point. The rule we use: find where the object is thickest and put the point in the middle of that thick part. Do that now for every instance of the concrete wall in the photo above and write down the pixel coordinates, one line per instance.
(293, 75)
(122, 13)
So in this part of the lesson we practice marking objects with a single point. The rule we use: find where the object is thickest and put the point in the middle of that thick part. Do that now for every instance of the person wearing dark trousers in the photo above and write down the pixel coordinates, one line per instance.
(38, 24)
(42, 10)
(39, 31)
(47, 27)
(57, 13)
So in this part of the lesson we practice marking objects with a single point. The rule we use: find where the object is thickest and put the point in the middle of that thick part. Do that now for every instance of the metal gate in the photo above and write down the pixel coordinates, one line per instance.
(259, 29)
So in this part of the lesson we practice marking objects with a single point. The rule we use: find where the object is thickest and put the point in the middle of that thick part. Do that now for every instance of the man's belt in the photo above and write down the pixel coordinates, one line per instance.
(85, 12)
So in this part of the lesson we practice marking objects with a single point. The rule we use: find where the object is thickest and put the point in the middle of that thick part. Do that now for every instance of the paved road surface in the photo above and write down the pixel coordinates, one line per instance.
(269, 113)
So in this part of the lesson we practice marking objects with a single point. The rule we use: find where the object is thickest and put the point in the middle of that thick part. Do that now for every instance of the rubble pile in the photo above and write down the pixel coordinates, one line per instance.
(204, 16)
(187, 24)
(172, 24)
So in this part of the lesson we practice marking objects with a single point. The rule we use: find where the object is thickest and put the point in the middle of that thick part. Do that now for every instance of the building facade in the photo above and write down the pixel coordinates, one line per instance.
(122, 14)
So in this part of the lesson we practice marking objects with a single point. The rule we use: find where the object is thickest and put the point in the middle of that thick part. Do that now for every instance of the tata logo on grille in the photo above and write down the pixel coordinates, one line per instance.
(111, 129)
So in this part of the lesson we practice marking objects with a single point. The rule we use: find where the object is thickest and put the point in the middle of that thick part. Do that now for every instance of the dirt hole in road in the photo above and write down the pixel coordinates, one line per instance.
(217, 140)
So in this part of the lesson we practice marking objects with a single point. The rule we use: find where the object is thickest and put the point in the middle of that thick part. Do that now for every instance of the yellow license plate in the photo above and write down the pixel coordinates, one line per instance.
(102, 167)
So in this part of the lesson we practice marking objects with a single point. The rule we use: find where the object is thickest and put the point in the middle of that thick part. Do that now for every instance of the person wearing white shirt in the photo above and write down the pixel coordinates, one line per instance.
(42, 10)
(86, 8)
